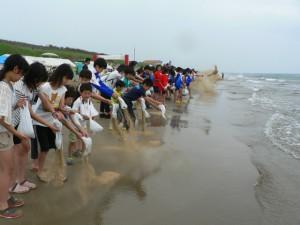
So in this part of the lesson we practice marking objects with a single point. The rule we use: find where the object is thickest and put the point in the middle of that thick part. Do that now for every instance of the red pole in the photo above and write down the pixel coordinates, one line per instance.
(95, 57)
(126, 60)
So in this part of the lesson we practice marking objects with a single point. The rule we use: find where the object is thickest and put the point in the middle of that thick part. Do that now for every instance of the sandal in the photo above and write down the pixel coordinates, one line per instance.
(14, 202)
(19, 189)
(10, 213)
(28, 184)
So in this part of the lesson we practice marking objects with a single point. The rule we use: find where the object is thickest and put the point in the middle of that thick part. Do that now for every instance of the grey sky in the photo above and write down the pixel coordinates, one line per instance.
(237, 35)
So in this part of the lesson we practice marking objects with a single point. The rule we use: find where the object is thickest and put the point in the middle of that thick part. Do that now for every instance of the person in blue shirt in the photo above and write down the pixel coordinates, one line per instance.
(100, 65)
(105, 91)
(138, 93)
(178, 85)
(148, 72)
(188, 80)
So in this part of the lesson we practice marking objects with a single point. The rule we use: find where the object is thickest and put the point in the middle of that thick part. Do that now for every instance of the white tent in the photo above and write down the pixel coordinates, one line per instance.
(49, 55)
(49, 62)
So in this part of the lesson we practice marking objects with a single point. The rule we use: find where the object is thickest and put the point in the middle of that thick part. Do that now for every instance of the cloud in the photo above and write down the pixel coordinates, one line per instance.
(196, 33)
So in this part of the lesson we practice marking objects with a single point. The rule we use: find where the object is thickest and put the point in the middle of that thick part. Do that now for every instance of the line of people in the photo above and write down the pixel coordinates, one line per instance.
(52, 100)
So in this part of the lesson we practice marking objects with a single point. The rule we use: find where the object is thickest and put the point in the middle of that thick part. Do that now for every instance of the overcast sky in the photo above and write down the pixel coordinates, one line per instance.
(237, 35)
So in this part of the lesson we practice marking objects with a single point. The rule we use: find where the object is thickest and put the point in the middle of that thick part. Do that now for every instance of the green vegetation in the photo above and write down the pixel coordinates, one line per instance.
(9, 47)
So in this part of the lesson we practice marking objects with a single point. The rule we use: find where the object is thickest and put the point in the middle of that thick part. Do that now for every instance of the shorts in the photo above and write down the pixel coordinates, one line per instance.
(46, 138)
(6, 141)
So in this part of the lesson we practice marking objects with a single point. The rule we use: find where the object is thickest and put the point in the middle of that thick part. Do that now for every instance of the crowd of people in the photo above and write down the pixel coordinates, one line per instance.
(56, 99)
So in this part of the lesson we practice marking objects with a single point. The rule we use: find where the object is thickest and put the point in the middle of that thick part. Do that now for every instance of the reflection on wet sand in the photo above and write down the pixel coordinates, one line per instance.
(127, 166)
(178, 123)
(116, 165)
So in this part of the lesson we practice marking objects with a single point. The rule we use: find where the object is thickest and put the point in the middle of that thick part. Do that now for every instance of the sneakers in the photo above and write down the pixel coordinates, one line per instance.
(10, 213)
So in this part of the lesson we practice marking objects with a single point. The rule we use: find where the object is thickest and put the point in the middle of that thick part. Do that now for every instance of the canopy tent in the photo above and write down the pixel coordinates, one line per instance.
(49, 55)
(49, 62)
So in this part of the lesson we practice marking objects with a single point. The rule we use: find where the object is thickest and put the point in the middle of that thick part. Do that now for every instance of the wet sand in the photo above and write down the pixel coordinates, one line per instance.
(188, 170)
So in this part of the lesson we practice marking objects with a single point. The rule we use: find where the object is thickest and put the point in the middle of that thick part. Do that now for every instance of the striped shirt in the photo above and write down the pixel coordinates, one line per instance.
(21, 90)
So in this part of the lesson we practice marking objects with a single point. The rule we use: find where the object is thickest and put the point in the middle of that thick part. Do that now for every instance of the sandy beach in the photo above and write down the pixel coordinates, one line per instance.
(190, 169)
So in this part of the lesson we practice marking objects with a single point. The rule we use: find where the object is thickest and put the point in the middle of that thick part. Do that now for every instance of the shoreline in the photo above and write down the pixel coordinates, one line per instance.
(190, 170)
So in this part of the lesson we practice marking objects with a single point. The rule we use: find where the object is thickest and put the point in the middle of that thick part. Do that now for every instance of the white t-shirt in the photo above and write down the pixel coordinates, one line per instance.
(6, 103)
(54, 96)
(85, 108)
(111, 78)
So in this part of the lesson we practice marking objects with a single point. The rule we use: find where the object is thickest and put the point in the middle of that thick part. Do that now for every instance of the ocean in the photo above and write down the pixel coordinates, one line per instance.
(270, 126)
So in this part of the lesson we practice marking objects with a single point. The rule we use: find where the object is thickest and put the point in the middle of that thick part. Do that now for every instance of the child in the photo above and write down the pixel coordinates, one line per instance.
(178, 86)
(188, 80)
(85, 76)
(130, 79)
(14, 67)
(157, 85)
(137, 93)
(99, 85)
(148, 72)
(111, 78)
(74, 143)
(115, 105)
(84, 105)
(55, 91)
(27, 89)
(171, 85)
(115, 101)
(100, 65)
(164, 83)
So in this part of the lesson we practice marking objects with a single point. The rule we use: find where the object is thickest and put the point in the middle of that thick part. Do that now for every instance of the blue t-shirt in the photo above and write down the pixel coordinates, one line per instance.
(178, 81)
(188, 80)
(102, 87)
(134, 94)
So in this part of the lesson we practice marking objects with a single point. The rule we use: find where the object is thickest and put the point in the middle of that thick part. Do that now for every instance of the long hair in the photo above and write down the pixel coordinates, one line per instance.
(11, 62)
(64, 70)
(36, 73)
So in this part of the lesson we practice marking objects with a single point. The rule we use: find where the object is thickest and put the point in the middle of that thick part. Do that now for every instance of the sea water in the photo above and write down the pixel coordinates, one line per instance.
(271, 128)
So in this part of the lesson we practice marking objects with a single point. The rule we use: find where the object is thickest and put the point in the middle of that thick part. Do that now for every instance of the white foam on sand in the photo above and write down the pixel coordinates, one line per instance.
(284, 132)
